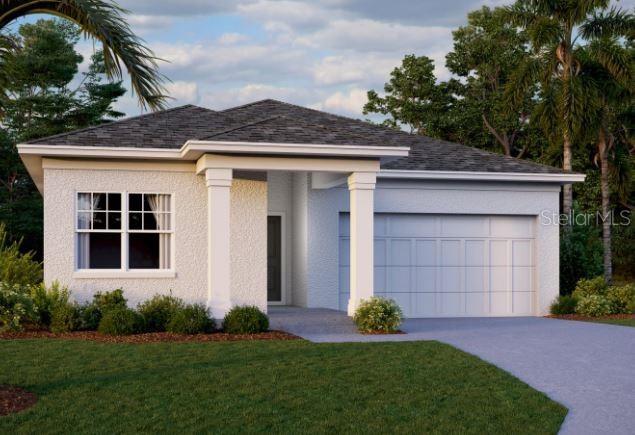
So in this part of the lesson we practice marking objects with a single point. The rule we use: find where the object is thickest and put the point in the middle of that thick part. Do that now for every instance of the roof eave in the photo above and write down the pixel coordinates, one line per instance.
(534, 177)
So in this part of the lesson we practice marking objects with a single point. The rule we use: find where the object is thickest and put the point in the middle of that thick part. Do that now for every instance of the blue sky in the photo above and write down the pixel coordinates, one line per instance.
(321, 53)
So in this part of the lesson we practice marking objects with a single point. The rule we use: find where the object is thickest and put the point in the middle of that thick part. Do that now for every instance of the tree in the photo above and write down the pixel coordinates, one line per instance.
(609, 81)
(103, 21)
(554, 31)
(412, 98)
(486, 52)
(40, 101)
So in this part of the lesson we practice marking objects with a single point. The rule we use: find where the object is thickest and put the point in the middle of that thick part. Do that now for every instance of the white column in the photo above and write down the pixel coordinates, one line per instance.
(362, 189)
(219, 182)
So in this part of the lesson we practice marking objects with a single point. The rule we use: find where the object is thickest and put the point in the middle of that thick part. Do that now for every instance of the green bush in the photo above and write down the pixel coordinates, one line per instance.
(564, 305)
(622, 298)
(120, 321)
(378, 314)
(191, 319)
(588, 287)
(91, 313)
(16, 307)
(65, 317)
(580, 255)
(158, 311)
(245, 320)
(46, 299)
(16, 267)
(594, 305)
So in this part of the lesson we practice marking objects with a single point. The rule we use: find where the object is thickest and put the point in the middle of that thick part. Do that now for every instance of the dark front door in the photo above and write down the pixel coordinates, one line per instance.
(274, 259)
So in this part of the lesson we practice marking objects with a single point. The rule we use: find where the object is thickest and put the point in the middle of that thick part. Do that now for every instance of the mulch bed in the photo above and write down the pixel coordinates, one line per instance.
(382, 332)
(153, 337)
(588, 319)
(14, 399)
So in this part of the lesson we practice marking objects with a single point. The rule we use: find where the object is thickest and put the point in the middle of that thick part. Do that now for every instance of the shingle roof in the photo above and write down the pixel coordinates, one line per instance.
(278, 122)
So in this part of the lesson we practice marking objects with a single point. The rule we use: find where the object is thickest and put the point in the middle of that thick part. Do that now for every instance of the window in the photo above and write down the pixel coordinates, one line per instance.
(135, 233)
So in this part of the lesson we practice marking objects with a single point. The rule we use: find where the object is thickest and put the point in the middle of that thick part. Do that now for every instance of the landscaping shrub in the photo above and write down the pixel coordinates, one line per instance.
(120, 321)
(622, 298)
(378, 314)
(564, 305)
(158, 311)
(245, 320)
(45, 299)
(588, 287)
(191, 319)
(16, 267)
(594, 305)
(65, 317)
(16, 307)
(91, 313)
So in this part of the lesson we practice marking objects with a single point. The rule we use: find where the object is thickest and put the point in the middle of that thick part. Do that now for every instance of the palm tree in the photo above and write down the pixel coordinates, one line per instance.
(608, 79)
(103, 21)
(554, 31)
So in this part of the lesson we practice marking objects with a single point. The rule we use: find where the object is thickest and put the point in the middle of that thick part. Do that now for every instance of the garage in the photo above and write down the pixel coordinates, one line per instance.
(449, 265)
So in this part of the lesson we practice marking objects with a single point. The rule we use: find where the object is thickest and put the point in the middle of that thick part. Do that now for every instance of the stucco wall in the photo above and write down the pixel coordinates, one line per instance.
(324, 207)
(248, 243)
(248, 233)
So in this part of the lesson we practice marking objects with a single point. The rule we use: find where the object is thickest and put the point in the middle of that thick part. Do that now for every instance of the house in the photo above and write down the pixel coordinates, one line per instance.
(272, 203)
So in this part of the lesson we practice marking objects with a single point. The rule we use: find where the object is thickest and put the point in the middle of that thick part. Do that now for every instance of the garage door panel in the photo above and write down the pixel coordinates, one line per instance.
(521, 302)
(450, 253)
(380, 277)
(426, 253)
(424, 304)
(521, 253)
(451, 279)
(476, 304)
(475, 253)
(450, 265)
(475, 279)
(498, 255)
(464, 226)
(498, 278)
(452, 304)
(511, 227)
(426, 279)
(412, 226)
(400, 254)
(399, 279)
(381, 247)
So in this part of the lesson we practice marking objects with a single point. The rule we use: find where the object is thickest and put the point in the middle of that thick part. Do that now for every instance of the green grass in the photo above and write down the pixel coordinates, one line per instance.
(623, 322)
(279, 386)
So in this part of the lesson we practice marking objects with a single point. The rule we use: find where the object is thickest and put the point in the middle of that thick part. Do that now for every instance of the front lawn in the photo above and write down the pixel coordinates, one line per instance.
(629, 321)
(273, 386)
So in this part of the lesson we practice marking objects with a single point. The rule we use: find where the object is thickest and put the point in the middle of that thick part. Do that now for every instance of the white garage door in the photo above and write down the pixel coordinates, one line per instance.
(450, 265)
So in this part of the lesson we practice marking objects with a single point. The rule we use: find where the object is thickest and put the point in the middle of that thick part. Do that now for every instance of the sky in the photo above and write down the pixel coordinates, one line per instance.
(323, 54)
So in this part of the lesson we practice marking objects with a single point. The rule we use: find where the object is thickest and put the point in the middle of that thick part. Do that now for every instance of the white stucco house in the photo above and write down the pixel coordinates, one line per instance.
(272, 203)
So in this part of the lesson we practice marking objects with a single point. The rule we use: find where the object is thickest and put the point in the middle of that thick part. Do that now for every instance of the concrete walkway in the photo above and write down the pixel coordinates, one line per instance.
(588, 367)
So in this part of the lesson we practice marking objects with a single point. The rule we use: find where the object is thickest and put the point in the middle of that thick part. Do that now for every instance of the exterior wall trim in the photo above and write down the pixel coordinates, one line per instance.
(481, 176)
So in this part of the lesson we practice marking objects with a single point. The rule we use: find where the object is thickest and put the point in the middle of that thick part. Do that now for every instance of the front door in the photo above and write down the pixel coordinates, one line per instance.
(274, 259)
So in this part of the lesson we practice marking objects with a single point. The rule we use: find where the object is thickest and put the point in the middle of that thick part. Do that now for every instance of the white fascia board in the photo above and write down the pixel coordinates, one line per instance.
(482, 176)
(98, 152)
(198, 147)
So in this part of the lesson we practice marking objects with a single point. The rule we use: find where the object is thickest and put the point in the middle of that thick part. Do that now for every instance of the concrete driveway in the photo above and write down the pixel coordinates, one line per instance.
(588, 367)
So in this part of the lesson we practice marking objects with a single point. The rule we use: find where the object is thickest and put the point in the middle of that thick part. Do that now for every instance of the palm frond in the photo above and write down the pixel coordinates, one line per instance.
(609, 24)
(103, 21)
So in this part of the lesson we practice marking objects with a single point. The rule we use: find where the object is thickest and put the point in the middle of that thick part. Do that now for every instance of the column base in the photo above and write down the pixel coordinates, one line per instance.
(352, 307)
(218, 309)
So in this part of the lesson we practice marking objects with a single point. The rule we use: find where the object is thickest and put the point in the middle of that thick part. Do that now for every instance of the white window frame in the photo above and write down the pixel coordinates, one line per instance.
(125, 271)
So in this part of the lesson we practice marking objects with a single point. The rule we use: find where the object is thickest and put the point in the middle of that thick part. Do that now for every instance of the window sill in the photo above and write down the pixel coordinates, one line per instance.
(128, 274)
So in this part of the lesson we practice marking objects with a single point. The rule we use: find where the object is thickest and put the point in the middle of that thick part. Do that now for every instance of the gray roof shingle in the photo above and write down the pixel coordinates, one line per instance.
(278, 122)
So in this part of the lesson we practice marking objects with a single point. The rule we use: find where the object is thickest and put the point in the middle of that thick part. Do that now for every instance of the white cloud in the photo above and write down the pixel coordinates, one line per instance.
(355, 68)
(149, 22)
(232, 38)
(183, 92)
(350, 102)
(225, 98)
